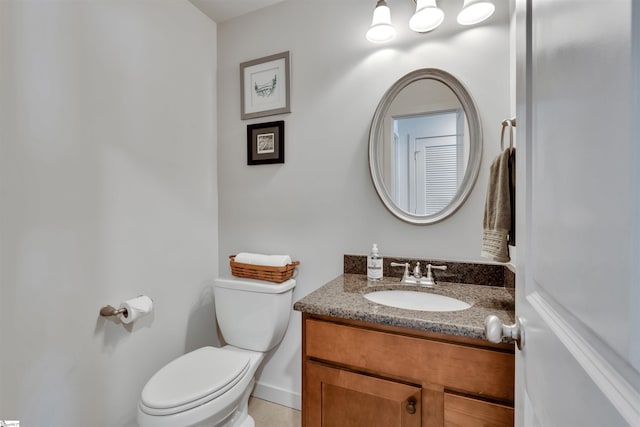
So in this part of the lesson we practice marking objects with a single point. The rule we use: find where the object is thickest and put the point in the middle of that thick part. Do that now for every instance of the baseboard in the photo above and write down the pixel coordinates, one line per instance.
(277, 395)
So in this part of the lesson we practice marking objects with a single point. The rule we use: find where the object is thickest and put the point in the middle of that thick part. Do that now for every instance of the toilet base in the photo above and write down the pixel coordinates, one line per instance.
(249, 422)
(240, 417)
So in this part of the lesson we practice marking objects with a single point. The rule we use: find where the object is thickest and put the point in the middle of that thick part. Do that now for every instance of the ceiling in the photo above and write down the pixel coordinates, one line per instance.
(223, 10)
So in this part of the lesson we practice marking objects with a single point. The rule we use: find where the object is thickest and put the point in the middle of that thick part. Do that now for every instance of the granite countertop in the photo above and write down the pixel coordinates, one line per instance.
(343, 298)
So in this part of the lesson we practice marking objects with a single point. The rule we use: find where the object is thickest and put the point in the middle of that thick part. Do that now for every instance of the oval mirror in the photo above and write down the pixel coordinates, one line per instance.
(425, 146)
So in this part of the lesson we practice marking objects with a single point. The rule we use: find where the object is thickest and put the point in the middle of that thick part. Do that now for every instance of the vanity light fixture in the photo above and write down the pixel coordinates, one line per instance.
(427, 17)
(381, 29)
(475, 11)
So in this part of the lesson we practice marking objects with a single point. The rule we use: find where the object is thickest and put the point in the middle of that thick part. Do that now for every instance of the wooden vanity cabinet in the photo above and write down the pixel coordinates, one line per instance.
(358, 374)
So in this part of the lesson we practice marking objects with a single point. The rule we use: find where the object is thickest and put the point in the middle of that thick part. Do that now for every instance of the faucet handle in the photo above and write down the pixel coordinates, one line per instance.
(430, 282)
(402, 264)
(399, 264)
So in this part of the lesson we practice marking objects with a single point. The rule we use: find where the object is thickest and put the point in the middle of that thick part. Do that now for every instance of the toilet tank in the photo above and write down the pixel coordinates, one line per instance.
(253, 314)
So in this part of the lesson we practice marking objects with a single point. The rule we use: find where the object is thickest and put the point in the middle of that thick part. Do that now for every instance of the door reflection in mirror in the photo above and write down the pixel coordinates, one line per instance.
(429, 159)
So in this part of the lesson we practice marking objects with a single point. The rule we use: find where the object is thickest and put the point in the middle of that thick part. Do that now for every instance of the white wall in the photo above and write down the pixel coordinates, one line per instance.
(321, 203)
(108, 189)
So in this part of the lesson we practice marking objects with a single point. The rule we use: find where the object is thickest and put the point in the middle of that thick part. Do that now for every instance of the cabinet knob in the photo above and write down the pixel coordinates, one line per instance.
(495, 331)
(411, 406)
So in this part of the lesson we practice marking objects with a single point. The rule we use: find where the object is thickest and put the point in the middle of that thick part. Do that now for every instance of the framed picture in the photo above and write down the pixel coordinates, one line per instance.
(265, 143)
(264, 86)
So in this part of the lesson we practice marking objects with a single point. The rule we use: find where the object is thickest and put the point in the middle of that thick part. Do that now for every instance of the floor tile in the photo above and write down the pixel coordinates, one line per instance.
(268, 414)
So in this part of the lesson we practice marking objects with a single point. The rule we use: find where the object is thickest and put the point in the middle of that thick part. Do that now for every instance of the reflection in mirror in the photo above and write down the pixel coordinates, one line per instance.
(424, 154)
(428, 146)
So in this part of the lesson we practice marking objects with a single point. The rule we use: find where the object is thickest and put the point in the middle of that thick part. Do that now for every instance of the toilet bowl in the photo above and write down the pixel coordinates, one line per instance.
(211, 386)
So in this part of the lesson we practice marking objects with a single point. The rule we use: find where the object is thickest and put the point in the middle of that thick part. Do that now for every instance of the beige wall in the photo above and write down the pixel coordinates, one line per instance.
(107, 190)
(110, 180)
(321, 203)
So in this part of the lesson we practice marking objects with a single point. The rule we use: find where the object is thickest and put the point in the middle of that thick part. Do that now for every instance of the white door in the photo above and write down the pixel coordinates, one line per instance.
(436, 145)
(436, 173)
(578, 213)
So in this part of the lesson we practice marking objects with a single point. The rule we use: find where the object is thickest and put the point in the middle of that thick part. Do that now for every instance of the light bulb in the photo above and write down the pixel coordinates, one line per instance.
(381, 29)
(475, 11)
(427, 17)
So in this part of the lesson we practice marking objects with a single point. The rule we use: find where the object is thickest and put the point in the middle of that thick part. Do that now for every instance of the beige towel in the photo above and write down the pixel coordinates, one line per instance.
(512, 193)
(497, 210)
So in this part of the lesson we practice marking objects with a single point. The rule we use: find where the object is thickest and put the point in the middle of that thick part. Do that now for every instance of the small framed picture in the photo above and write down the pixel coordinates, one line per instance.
(264, 86)
(265, 143)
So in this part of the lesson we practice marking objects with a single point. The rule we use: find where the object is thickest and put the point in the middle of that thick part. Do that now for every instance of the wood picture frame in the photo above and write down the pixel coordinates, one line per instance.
(264, 86)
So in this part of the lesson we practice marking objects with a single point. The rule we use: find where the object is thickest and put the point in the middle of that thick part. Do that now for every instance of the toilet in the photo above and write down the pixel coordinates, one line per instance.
(211, 386)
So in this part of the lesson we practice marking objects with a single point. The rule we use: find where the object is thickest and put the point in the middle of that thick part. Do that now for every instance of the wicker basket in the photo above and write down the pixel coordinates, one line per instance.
(262, 272)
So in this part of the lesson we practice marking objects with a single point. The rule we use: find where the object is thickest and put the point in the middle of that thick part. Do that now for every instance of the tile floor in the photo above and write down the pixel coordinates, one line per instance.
(267, 414)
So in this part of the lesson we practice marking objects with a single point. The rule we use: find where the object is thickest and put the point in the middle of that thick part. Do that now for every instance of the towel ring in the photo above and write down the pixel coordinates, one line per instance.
(511, 123)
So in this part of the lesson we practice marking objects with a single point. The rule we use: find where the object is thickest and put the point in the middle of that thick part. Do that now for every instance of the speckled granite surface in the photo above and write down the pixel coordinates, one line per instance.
(343, 298)
(457, 272)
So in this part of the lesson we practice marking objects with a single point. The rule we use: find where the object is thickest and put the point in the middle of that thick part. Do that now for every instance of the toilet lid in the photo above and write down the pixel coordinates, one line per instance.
(193, 379)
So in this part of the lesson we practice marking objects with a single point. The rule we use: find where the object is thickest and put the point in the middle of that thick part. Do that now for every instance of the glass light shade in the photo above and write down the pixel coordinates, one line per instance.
(381, 29)
(475, 11)
(427, 17)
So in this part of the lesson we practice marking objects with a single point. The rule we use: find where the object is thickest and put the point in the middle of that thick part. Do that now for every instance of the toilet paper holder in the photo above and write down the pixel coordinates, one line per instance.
(130, 310)
(109, 310)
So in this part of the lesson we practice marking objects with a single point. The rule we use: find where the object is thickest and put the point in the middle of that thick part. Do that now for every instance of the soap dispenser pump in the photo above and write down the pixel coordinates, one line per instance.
(374, 265)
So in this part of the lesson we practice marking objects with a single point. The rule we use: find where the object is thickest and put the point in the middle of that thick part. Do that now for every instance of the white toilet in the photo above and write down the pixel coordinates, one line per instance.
(211, 386)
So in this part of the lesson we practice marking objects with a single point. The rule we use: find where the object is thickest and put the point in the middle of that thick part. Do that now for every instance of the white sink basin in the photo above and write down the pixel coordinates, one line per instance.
(413, 300)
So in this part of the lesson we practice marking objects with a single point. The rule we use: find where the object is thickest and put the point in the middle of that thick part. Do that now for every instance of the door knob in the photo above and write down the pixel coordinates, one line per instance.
(411, 406)
(495, 331)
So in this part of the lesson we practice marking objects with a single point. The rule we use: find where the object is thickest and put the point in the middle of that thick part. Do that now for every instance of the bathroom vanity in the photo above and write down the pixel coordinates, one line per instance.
(366, 364)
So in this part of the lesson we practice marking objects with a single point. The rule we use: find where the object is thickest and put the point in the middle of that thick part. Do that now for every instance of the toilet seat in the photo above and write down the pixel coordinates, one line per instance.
(192, 380)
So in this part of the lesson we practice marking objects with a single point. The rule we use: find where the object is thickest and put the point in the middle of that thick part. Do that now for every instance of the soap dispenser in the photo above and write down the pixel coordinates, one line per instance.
(374, 265)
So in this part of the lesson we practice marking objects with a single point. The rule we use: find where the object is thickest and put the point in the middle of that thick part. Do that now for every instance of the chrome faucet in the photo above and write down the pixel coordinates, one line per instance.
(417, 273)
(430, 281)
(417, 278)
(406, 265)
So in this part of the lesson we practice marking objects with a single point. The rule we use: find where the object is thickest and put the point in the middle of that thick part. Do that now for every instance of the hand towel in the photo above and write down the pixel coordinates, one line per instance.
(497, 211)
(512, 193)
(266, 260)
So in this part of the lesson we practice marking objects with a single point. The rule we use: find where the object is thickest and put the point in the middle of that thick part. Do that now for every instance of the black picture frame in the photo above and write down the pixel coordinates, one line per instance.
(265, 143)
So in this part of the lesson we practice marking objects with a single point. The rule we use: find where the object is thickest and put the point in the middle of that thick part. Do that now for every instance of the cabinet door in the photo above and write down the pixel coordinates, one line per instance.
(338, 398)
(461, 411)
